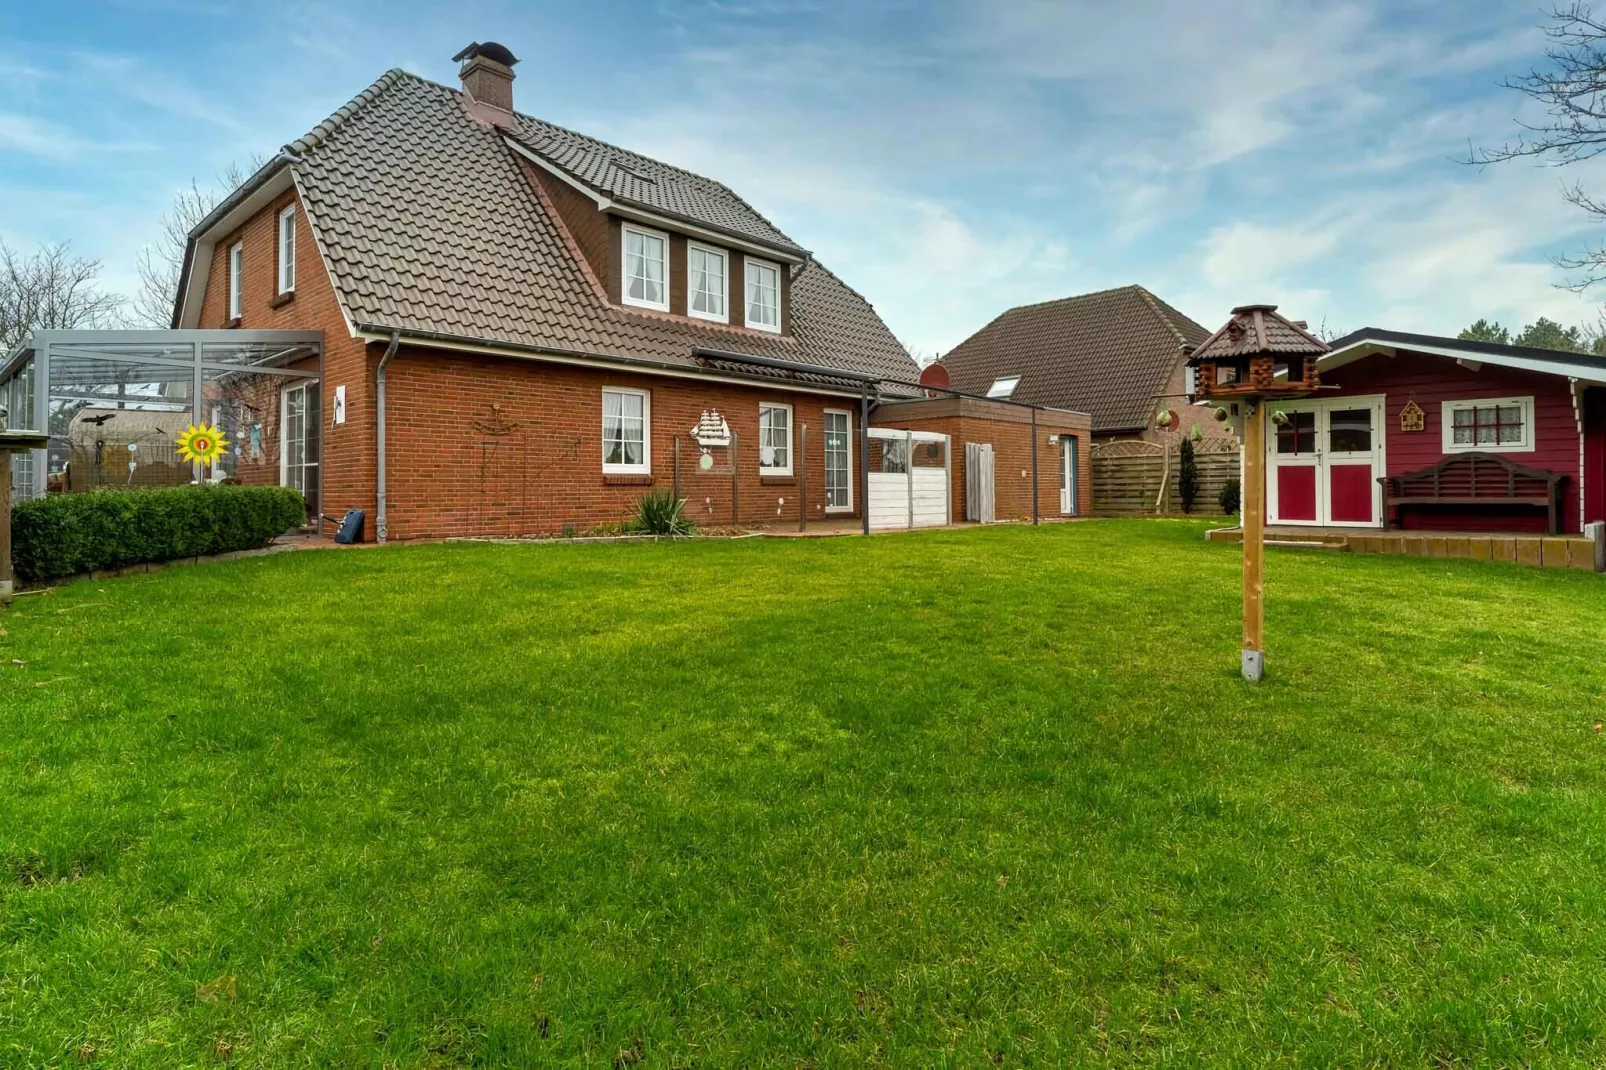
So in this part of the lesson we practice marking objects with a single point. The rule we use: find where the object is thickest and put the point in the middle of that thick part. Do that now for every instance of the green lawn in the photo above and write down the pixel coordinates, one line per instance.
(953, 799)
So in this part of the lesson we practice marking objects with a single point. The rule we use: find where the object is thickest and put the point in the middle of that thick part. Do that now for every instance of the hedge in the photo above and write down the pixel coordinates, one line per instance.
(65, 534)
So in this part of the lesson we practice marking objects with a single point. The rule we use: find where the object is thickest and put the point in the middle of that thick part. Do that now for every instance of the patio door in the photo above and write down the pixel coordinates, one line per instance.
(1323, 461)
(838, 461)
(1067, 475)
(299, 427)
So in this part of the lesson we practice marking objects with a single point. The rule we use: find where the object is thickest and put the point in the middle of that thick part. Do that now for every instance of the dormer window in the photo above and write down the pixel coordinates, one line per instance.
(706, 283)
(1004, 386)
(763, 296)
(646, 268)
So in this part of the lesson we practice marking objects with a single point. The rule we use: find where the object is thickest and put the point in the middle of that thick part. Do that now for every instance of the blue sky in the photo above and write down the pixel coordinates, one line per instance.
(949, 159)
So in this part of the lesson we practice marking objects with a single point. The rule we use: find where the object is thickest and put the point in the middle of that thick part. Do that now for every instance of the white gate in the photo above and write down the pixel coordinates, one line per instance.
(980, 501)
(905, 493)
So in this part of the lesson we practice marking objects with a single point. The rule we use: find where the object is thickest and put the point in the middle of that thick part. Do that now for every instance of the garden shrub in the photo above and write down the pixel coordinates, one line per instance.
(659, 512)
(65, 534)
(1188, 477)
(1229, 496)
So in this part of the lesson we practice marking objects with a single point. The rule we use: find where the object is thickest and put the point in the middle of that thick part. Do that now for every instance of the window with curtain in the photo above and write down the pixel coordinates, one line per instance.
(705, 273)
(763, 296)
(625, 416)
(646, 281)
(1495, 424)
(775, 440)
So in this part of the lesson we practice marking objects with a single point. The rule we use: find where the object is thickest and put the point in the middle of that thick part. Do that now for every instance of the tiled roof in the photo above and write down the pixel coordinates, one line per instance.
(1108, 354)
(1259, 329)
(627, 176)
(430, 224)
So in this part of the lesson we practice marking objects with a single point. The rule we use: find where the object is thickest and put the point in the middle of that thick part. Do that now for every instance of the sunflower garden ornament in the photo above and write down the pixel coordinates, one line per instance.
(201, 444)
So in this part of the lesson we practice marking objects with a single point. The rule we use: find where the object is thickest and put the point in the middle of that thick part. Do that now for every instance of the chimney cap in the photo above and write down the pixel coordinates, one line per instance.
(490, 50)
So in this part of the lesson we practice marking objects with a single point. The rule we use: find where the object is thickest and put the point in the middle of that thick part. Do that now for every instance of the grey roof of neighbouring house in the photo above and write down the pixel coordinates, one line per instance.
(1108, 353)
(430, 224)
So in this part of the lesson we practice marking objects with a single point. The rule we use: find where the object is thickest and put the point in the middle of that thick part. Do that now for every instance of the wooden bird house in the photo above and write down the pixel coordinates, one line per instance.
(1257, 354)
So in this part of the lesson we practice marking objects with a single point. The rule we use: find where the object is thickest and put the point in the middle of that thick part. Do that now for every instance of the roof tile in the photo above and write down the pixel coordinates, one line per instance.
(1108, 354)
(429, 223)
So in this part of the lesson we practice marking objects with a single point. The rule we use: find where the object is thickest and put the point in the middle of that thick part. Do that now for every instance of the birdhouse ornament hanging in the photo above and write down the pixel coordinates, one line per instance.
(1255, 359)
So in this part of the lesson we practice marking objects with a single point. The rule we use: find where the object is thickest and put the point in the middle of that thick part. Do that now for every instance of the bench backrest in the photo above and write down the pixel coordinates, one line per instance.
(1474, 475)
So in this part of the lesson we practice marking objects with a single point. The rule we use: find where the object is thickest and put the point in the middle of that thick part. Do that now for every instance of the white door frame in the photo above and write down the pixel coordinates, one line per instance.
(825, 451)
(1068, 475)
(1323, 458)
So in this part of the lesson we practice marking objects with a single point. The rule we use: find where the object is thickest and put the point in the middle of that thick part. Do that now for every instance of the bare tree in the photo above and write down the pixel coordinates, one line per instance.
(1572, 88)
(162, 263)
(51, 290)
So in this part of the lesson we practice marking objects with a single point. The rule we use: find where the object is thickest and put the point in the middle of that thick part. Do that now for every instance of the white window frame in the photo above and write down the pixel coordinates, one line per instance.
(993, 391)
(725, 274)
(625, 231)
(1447, 425)
(287, 250)
(236, 280)
(775, 469)
(645, 467)
(747, 304)
(848, 508)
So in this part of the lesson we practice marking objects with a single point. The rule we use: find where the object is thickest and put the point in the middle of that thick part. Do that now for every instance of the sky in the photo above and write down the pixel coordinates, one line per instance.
(949, 159)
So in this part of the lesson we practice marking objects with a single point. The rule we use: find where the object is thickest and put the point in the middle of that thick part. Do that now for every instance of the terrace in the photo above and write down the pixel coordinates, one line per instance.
(113, 402)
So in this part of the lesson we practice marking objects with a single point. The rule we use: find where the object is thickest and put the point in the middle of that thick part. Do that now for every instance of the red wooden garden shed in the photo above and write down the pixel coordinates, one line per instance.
(1440, 434)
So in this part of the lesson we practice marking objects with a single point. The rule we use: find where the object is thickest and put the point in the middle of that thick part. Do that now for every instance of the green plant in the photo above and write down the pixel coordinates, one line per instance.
(1188, 477)
(1229, 496)
(659, 512)
(65, 534)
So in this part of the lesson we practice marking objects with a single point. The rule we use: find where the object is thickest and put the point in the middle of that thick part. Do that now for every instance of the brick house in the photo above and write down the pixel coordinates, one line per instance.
(1118, 354)
(523, 326)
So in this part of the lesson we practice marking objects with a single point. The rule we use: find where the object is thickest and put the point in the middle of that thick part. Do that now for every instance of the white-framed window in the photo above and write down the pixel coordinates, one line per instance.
(1493, 425)
(1004, 386)
(287, 249)
(763, 295)
(706, 285)
(236, 280)
(646, 269)
(626, 431)
(838, 460)
(774, 440)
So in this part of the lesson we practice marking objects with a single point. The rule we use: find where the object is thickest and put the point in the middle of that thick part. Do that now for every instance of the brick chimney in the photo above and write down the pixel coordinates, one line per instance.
(487, 73)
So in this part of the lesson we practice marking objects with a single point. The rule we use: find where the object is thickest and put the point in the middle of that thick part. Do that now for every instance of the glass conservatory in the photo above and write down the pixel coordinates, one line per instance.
(115, 402)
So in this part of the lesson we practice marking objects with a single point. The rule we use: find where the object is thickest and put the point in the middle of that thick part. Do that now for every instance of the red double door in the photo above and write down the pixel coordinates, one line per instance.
(1323, 460)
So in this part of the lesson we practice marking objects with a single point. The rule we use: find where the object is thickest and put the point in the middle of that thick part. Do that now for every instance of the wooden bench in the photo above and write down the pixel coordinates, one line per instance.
(1474, 478)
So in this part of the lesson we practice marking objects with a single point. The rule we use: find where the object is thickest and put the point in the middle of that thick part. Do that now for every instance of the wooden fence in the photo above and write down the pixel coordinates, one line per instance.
(1127, 475)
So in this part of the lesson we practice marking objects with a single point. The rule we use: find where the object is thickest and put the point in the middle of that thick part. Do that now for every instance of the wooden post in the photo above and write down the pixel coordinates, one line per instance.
(7, 586)
(1254, 499)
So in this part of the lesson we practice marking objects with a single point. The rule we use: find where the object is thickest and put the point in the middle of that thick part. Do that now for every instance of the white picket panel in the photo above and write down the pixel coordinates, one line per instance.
(889, 504)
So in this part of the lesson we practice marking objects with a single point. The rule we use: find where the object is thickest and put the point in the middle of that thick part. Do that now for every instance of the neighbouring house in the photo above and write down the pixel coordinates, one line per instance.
(1439, 434)
(468, 321)
(1119, 355)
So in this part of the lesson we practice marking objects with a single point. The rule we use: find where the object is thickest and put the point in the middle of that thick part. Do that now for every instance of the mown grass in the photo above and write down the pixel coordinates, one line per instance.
(947, 799)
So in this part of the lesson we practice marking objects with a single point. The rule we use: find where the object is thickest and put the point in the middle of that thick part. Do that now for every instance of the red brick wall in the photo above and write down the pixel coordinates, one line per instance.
(348, 450)
(1008, 429)
(448, 476)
